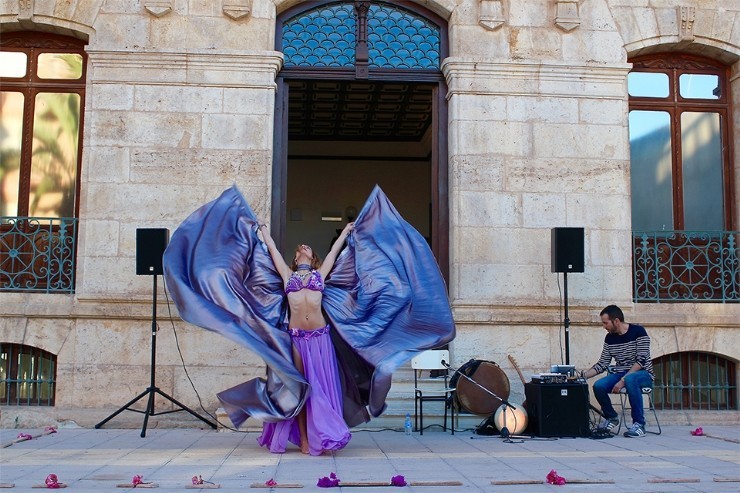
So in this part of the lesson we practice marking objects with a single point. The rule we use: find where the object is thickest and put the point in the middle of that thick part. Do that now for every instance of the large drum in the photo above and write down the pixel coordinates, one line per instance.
(475, 399)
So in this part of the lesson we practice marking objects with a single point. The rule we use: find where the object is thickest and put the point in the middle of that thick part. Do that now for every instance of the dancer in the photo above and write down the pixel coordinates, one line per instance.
(320, 425)
(384, 301)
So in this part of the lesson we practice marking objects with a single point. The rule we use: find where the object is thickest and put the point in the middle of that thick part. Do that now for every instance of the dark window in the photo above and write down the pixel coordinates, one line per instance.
(41, 102)
(695, 380)
(27, 376)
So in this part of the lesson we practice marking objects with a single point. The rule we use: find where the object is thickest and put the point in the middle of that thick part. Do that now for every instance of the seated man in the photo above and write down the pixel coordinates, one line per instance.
(629, 346)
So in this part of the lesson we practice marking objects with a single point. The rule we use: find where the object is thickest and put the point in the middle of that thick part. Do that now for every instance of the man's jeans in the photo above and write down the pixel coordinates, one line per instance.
(634, 382)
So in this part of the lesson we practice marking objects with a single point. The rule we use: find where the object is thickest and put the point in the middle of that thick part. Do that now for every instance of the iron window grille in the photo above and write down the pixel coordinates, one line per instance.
(27, 376)
(695, 380)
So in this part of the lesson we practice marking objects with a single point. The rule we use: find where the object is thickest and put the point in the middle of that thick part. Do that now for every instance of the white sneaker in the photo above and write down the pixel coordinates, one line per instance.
(608, 424)
(636, 430)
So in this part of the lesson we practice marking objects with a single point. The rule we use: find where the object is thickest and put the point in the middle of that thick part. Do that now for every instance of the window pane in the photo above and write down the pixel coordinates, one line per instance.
(701, 149)
(54, 163)
(699, 86)
(651, 174)
(399, 39)
(60, 66)
(3, 375)
(11, 136)
(647, 84)
(323, 37)
(13, 64)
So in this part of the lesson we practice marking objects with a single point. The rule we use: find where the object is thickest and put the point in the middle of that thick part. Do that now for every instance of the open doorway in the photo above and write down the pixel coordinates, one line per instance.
(344, 137)
(360, 100)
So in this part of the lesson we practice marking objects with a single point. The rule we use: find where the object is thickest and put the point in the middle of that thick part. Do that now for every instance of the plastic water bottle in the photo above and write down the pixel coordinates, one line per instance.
(407, 427)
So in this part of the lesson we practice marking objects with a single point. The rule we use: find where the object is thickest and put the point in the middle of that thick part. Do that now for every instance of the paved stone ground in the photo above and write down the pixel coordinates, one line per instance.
(99, 460)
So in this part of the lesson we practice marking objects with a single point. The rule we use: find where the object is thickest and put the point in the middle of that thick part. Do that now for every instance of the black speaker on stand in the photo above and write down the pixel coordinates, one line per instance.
(566, 249)
(150, 246)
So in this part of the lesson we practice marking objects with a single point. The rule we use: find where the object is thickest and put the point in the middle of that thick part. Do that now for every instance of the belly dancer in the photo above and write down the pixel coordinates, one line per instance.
(320, 425)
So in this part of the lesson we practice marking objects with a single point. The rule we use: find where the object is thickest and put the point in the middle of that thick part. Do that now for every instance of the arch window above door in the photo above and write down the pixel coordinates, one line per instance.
(322, 37)
(361, 35)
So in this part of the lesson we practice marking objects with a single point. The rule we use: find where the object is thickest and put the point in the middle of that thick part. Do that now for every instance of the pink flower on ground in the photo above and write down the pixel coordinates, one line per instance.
(137, 480)
(197, 480)
(50, 429)
(698, 432)
(270, 482)
(24, 436)
(52, 481)
(398, 481)
(553, 478)
(330, 482)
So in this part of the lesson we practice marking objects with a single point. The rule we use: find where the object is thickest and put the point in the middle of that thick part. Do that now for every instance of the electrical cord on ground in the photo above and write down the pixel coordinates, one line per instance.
(192, 384)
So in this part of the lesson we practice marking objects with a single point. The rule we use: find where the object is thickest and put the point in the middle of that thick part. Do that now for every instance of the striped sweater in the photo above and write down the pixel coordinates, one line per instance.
(627, 349)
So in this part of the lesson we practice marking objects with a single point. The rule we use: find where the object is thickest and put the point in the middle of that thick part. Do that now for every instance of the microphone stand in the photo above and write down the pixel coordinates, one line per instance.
(505, 434)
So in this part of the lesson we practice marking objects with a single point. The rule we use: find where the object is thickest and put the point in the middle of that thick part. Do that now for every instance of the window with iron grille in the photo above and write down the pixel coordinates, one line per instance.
(27, 376)
(42, 96)
(695, 380)
(681, 138)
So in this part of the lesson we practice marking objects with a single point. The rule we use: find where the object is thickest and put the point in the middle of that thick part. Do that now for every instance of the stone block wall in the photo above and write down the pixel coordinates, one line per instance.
(180, 105)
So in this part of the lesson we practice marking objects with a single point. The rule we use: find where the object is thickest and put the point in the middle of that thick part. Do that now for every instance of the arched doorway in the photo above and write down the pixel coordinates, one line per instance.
(360, 101)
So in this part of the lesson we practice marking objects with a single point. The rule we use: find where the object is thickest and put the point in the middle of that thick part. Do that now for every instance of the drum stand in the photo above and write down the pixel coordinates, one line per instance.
(504, 430)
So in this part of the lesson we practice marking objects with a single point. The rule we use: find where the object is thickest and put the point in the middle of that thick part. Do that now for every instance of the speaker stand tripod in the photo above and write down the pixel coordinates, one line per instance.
(153, 389)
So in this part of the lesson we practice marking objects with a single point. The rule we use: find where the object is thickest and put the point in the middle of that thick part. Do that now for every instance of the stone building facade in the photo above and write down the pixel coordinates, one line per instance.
(529, 109)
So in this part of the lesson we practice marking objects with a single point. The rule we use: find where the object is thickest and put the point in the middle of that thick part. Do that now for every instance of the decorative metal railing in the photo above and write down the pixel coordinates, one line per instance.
(695, 380)
(686, 266)
(38, 254)
(27, 376)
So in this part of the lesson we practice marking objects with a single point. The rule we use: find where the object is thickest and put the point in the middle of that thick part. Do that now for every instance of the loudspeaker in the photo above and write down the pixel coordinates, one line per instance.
(566, 249)
(557, 410)
(150, 246)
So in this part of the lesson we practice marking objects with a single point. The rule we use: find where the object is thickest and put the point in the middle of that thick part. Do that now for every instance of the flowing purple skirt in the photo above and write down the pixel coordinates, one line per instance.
(325, 424)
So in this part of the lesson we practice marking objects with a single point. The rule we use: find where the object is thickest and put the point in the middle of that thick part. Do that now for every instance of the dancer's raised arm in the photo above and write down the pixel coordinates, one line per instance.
(331, 257)
(277, 259)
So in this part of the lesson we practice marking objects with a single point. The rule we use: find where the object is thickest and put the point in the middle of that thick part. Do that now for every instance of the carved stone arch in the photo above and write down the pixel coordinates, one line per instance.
(719, 51)
(28, 15)
(441, 8)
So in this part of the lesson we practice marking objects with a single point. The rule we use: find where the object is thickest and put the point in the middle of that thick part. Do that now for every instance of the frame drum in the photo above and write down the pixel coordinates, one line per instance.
(489, 376)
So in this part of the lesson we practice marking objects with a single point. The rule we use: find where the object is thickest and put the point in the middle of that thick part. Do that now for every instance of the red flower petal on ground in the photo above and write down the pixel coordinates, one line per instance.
(554, 478)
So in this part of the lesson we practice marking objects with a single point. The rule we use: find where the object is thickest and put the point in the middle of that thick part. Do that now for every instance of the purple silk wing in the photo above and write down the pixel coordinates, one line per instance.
(222, 278)
(386, 299)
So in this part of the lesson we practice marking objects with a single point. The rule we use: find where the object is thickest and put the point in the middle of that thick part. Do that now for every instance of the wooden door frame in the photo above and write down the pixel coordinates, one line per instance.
(439, 172)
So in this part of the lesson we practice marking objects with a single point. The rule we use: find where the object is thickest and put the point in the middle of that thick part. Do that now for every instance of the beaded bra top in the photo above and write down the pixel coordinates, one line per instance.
(314, 282)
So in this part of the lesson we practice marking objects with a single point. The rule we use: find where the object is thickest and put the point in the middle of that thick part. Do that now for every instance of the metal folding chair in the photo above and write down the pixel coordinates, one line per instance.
(624, 402)
(431, 389)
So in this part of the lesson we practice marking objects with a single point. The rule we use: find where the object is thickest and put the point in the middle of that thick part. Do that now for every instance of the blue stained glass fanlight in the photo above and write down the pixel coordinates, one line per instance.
(399, 39)
(322, 37)
(326, 37)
